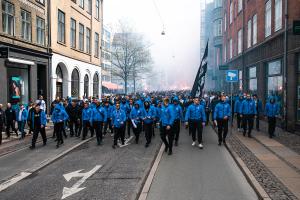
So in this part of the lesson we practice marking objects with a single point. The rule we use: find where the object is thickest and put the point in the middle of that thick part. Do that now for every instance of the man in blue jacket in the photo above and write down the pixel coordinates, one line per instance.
(248, 114)
(149, 116)
(58, 117)
(238, 111)
(195, 118)
(271, 111)
(118, 122)
(22, 115)
(258, 105)
(221, 115)
(99, 117)
(136, 116)
(178, 119)
(38, 122)
(167, 117)
(109, 109)
(86, 119)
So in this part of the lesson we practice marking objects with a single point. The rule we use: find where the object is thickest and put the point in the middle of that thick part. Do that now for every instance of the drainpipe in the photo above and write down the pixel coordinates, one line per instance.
(50, 97)
(285, 64)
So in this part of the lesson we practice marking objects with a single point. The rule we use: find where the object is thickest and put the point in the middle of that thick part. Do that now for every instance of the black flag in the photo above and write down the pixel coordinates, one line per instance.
(199, 82)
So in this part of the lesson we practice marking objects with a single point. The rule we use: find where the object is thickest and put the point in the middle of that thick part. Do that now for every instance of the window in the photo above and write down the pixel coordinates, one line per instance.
(41, 1)
(8, 19)
(40, 31)
(61, 26)
(75, 83)
(89, 6)
(88, 40)
(252, 80)
(241, 80)
(97, 9)
(298, 91)
(231, 13)
(225, 22)
(268, 18)
(97, 45)
(240, 5)
(225, 52)
(254, 39)
(81, 37)
(218, 27)
(278, 14)
(73, 33)
(240, 41)
(26, 25)
(249, 33)
(218, 3)
(230, 48)
(275, 82)
(81, 3)
(96, 85)
(86, 86)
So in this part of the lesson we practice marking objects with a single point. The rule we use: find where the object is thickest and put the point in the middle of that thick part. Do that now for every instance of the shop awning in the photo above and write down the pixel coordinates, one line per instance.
(111, 86)
(16, 60)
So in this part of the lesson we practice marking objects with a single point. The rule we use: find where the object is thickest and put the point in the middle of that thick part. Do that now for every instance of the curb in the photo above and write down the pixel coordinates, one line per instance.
(29, 172)
(260, 192)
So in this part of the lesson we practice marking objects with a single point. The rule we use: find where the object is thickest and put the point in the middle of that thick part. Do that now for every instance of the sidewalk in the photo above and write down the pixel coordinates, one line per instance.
(276, 167)
(191, 173)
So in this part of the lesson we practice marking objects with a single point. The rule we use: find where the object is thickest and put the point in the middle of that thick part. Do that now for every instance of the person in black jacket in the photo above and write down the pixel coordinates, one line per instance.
(10, 116)
(2, 121)
(74, 118)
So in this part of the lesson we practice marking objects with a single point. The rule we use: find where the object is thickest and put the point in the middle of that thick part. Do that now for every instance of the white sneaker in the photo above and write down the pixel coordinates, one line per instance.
(194, 143)
(200, 146)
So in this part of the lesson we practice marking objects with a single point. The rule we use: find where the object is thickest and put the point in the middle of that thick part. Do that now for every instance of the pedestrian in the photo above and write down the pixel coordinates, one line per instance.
(109, 109)
(238, 111)
(22, 116)
(221, 117)
(129, 123)
(42, 103)
(186, 105)
(136, 116)
(207, 108)
(248, 114)
(149, 116)
(38, 120)
(196, 115)
(125, 107)
(10, 116)
(118, 122)
(80, 106)
(58, 117)
(167, 118)
(86, 119)
(259, 110)
(2, 122)
(178, 119)
(99, 117)
(74, 118)
(271, 112)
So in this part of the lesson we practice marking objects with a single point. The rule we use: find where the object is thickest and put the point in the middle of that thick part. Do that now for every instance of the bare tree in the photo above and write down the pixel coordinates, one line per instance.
(131, 55)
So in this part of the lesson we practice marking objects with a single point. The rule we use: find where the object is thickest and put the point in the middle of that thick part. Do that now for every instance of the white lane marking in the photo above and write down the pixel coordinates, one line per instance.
(126, 142)
(13, 180)
(76, 187)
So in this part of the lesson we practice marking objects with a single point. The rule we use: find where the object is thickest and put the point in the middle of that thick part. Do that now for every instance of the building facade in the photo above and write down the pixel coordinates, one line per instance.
(266, 52)
(24, 51)
(76, 27)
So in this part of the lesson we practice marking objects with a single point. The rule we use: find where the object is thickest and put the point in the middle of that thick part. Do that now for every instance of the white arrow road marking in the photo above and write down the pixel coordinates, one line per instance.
(76, 187)
(13, 180)
(126, 142)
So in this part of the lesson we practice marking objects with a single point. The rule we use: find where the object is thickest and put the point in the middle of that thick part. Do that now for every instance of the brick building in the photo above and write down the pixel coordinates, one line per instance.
(254, 43)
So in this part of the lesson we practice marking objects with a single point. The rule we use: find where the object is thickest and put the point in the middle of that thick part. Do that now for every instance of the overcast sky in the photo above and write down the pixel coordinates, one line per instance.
(178, 52)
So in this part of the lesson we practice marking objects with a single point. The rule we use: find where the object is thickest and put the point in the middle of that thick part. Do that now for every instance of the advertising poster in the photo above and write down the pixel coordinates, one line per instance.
(15, 85)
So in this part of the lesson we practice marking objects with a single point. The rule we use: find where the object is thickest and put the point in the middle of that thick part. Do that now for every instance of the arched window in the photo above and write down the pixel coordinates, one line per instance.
(86, 86)
(96, 85)
(59, 81)
(59, 74)
(75, 83)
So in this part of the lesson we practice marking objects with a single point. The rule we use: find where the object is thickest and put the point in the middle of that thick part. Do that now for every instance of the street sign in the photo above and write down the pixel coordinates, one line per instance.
(76, 187)
(232, 76)
(223, 67)
(296, 27)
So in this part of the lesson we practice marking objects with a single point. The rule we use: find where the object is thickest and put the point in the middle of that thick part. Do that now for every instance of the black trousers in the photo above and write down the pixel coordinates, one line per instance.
(196, 126)
(148, 132)
(176, 129)
(271, 125)
(248, 123)
(222, 129)
(164, 133)
(238, 120)
(79, 128)
(85, 126)
(257, 122)
(58, 130)
(107, 125)
(73, 122)
(129, 125)
(10, 124)
(1, 129)
(207, 117)
(98, 126)
(36, 132)
(137, 131)
(119, 133)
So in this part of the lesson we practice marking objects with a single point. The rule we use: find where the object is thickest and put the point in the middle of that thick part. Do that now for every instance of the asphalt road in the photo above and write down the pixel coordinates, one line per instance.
(194, 174)
(119, 177)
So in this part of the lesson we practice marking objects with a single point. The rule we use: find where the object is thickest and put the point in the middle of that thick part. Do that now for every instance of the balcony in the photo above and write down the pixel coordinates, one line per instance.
(217, 13)
(218, 41)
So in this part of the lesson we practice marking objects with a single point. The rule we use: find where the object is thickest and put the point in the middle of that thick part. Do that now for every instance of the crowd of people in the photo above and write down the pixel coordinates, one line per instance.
(144, 113)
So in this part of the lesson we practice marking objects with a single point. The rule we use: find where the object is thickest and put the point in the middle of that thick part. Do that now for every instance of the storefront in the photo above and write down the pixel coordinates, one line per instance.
(23, 75)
